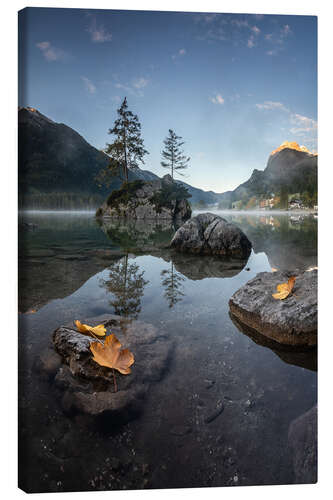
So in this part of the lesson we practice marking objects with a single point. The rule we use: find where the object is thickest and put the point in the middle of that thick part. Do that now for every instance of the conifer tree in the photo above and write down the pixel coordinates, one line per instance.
(173, 155)
(127, 149)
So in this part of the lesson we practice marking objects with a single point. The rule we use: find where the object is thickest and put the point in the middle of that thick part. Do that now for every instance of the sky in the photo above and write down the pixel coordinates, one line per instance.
(233, 86)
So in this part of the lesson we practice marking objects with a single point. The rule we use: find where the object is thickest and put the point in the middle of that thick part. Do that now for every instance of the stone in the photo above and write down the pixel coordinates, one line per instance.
(292, 321)
(143, 203)
(215, 413)
(302, 439)
(89, 388)
(210, 234)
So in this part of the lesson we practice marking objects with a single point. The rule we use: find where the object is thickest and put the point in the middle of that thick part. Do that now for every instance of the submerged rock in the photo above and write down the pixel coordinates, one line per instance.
(291, 321)
(210, 234)
(89, 387)
(302, 438)
(161, 199)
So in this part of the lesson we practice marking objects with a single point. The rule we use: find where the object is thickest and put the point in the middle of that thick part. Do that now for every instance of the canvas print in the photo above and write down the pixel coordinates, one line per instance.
(167, 249)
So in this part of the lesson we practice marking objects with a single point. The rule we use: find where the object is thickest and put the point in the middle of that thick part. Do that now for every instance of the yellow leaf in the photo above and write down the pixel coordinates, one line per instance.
(98, 330)
(111, 355)
(284, 289)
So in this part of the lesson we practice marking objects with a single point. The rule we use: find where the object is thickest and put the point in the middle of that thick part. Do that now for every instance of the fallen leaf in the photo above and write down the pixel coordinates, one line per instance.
(274, 270)
(284, 289)
(98, 330)
(111, 355)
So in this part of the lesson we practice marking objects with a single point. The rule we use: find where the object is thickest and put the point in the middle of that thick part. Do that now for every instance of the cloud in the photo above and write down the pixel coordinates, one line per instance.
(286, 30)
(135, 87)
(89, 86)
(180, 53)
(250, 42)
(240, 23)
(303, 124)
(272, 105)
(50, 52)
(243, 30)
(218, 99)
(98, 34)
(278, 39)
(299, 125)
(140, 83)
(205, 18)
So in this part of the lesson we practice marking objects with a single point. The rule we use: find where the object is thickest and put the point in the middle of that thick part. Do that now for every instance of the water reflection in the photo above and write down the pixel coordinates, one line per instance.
(128, 267)
(196, 267)
(289, 241)
(303, 357)
(126, 283)
(172, 281)
(140, 235)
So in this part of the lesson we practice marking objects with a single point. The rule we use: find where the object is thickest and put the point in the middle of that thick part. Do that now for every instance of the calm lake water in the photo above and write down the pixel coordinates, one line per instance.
(70, 267)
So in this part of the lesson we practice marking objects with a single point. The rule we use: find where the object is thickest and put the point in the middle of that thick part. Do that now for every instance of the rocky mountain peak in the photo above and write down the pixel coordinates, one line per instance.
(292, 145)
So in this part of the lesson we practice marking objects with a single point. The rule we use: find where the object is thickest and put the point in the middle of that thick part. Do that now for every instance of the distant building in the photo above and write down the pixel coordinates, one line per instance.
(236, 205)
(267, 203)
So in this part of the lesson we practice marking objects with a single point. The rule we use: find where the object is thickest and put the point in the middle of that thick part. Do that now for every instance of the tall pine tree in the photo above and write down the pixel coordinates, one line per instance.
(127, 149)
(173, 155)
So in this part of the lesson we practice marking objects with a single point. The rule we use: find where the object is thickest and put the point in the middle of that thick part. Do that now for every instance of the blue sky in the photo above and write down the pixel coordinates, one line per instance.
(233, 86)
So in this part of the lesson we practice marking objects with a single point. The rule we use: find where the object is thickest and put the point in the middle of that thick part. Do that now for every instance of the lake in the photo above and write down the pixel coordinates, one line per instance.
(72, 267)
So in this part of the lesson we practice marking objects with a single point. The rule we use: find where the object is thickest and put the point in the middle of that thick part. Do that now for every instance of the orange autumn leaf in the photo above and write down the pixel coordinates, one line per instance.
(98, 330)
(111, 355)
(284, 289)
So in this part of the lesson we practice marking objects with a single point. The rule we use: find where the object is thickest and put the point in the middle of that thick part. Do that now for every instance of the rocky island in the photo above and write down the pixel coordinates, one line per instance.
(161, 199)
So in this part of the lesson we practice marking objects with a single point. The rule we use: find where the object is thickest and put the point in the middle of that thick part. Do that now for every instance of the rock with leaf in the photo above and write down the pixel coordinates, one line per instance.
(109, 374)
(280, 305)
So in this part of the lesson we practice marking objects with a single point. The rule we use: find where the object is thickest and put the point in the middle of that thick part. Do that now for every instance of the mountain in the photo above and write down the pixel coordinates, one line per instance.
(290, 168)
(58, 167)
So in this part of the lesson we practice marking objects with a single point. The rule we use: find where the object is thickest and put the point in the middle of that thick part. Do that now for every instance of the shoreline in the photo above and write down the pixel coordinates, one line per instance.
(212, 210)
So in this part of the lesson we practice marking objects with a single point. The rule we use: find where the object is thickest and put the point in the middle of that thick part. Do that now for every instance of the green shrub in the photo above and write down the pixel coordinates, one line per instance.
(169, 193)
(124, 194)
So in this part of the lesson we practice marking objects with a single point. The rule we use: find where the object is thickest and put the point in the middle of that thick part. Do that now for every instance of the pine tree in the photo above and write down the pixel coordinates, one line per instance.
(127, 149)
(173, 154)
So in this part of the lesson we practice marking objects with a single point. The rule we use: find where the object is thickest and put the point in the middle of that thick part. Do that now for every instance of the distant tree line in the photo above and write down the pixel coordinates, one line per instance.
(60, 201)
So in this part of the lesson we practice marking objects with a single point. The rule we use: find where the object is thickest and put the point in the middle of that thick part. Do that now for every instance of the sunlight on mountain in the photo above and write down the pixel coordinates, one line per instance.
(293, 145)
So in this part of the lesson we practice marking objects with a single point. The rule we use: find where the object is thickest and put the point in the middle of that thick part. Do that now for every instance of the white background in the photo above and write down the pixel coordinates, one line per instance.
(8, 287)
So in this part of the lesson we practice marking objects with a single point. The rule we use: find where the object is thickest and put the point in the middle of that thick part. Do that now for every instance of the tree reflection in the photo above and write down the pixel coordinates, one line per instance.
(127, 284)
(172, 282)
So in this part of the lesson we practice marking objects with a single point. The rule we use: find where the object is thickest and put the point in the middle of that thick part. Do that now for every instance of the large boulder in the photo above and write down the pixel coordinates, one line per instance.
(302, 439)
(291, 321)
(87, 387)
(155, 200)
(210, 234)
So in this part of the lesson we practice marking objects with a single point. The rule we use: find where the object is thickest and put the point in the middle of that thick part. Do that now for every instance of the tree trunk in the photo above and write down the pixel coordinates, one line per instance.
(125, 163)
